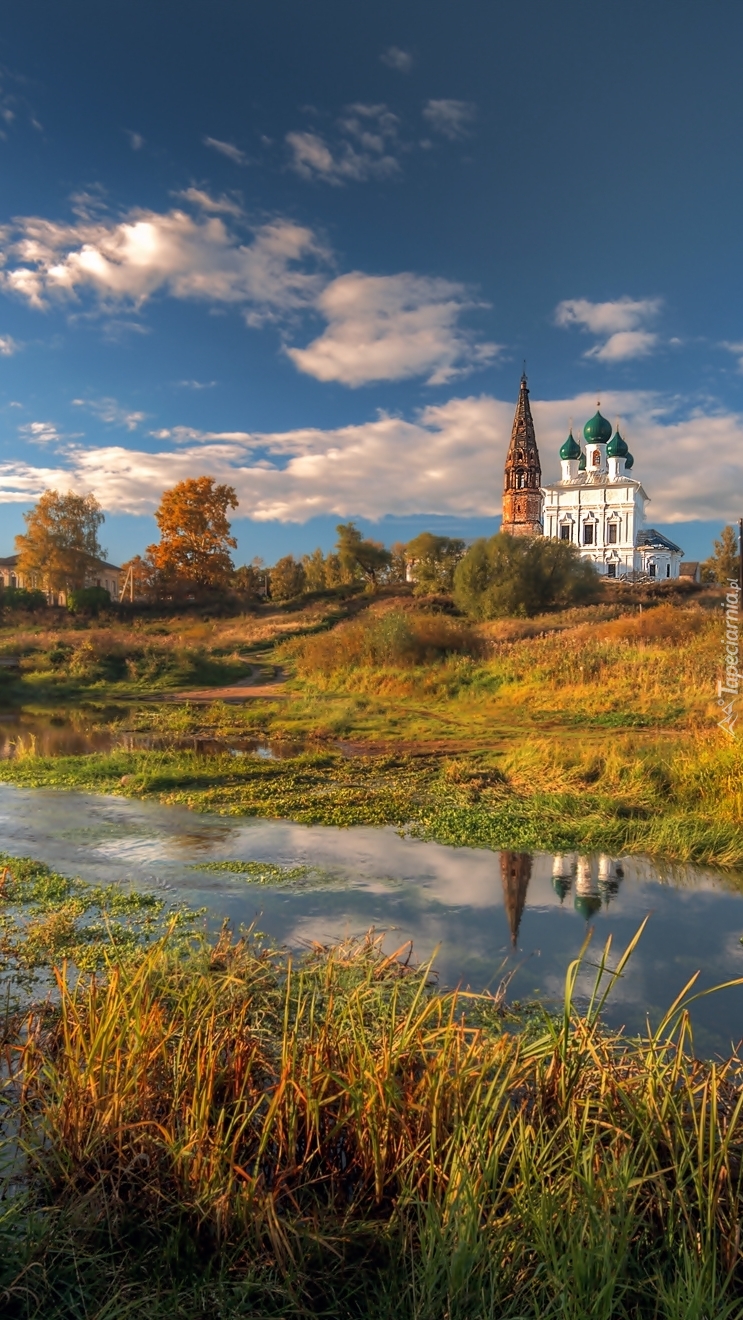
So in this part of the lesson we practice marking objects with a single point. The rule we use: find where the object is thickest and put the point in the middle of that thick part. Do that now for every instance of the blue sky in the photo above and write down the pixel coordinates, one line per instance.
(306, 248)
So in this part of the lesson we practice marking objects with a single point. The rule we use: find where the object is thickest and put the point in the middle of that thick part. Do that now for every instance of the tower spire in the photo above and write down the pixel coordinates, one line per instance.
(522, 496)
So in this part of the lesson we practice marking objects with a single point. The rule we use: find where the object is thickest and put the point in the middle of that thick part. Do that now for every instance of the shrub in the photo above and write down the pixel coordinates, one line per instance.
(519, 575)
(392, 639)
(88, 600)
(20, 598)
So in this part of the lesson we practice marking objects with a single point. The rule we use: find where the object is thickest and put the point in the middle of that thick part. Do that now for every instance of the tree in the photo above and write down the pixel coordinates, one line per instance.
(724, 563)
(250, 580)
(143, 580)
(60, 545)
(432, 561)
(287, 579)
(195, 540)
(315, 578)
(521, 575)
(358, 556)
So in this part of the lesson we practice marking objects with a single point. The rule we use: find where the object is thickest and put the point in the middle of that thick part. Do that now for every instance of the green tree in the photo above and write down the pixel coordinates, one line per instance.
(314, 571)
(432, 561)
(724, 562)
(519, 575)
(60, 546)
(249, 580)
(369, 559)
(287, 579)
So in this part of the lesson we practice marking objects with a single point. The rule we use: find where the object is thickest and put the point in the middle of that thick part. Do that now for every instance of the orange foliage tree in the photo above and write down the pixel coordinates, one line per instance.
(195, 542)
(60, 548)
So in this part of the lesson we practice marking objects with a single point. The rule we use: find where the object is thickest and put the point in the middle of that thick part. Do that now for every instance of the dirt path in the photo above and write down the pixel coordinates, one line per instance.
(245, 689)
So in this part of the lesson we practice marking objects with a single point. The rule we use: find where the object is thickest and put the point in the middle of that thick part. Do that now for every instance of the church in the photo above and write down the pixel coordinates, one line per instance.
(598, 503)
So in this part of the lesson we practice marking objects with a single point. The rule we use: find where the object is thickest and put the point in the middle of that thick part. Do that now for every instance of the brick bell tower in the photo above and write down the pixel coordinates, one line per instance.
(522, 496)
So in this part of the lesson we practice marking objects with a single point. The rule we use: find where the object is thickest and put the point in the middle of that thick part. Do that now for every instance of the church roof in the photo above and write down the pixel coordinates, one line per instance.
(523, 447)
(597, 431)
(649, 539)
(571, 448)
(617, 446)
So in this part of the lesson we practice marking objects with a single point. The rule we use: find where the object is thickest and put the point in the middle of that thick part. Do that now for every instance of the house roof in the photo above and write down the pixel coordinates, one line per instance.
(650, 539)
(10, 561)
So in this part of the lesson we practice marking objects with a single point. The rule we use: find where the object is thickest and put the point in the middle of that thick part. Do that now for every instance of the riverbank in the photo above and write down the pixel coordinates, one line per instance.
(595, 729)
(231, 1133)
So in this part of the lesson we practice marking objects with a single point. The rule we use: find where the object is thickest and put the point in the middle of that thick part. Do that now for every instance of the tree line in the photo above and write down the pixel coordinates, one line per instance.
(60, 552)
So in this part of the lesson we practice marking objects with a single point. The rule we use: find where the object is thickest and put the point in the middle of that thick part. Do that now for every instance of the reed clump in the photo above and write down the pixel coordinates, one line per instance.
(350, 1141)
(392, 638)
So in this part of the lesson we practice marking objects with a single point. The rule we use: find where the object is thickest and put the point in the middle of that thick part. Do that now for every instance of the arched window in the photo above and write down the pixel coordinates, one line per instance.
(596, 460)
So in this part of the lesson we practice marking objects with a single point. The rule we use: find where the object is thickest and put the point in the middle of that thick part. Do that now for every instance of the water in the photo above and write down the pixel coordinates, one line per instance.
(40, 735)
(488, 913)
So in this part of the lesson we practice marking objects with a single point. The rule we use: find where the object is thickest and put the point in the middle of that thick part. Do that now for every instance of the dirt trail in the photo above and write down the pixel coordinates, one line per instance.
(245, 689)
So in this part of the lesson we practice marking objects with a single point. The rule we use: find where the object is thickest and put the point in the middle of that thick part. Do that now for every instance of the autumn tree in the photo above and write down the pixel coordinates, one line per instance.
(60, 545)
(521, 575)
(368, 558)
(195, 541)
(315, 578)
(137, 578)
(724, 563)
(250, 580)
(287, 579)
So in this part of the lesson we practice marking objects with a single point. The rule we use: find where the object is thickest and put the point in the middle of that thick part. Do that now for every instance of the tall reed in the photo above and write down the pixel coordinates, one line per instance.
(353, 1130)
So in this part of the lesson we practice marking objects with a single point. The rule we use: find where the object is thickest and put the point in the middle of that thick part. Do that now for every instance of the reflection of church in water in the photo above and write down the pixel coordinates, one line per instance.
(596, 881)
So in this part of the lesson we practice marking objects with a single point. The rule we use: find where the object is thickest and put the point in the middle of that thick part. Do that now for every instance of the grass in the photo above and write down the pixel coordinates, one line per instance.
(592, 728)
(224, 1132)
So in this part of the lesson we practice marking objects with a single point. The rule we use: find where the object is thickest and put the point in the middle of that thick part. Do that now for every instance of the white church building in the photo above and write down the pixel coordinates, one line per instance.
(598, 503)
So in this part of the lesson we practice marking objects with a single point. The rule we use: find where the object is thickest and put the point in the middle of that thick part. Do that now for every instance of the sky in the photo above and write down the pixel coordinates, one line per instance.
(306, 249)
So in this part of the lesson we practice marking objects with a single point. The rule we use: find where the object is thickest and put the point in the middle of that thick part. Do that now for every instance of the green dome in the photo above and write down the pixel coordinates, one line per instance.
(582, 464)
(629, 462)
(587, 905)
(617, 447)
(571, 448)
(597, 431)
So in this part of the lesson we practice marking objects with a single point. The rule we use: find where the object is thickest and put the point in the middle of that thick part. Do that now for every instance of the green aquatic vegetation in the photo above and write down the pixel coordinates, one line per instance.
(276, 876)
(46, 916)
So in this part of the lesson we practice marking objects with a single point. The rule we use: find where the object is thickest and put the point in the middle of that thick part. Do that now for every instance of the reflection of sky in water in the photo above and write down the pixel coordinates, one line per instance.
(468, 902)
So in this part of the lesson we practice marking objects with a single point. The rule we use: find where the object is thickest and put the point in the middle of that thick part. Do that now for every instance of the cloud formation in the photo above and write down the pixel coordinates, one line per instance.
(129, 261)
(8, 345)
(390, 327)
(40, 433)
(621, 326)
(398, 59)
(227, 149)
(364, 144)
(452, 119)
(447, 460)
(111, 412)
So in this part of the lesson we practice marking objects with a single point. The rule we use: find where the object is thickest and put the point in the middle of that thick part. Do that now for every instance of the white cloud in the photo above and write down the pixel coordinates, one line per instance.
(216, 205)
(366, 140)
(446, 460)
(195, 384)
(111, 412)
(227, 149)
(450, 118)
(136, 141)
(736, 350)
(389, 327)
(8, 345)
(398, 59)
(621, 325)
(128, 261)
(40, 433)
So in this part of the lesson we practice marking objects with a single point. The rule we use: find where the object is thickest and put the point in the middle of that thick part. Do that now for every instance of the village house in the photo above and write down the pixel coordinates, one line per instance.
(100, 574)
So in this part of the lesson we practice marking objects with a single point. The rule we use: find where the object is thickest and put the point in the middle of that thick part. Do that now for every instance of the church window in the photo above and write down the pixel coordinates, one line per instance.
(668, 570)
(566, 532)
(651, 570)
(611, 570)
(588, 533)
(611, 533)
(596, 460)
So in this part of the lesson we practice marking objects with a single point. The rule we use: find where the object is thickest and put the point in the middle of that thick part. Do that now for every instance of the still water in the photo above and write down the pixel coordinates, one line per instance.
(485, 913)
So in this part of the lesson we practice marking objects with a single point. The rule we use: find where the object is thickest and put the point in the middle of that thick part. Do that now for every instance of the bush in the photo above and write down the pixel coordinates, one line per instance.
(19, 598)
(88, 600)
(392, 639)
(519, 575)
